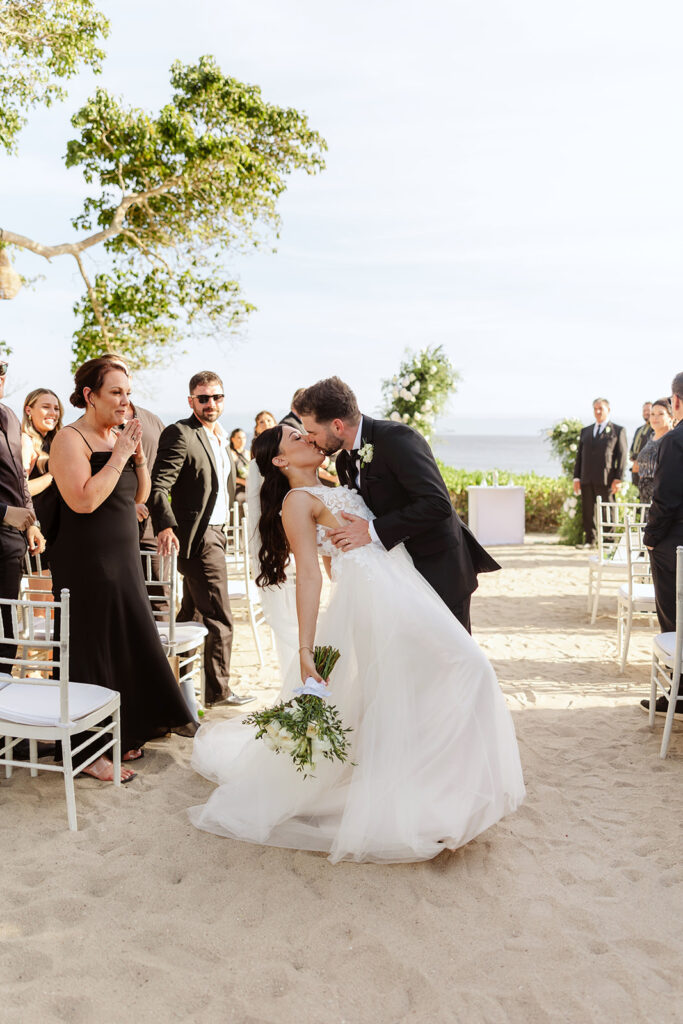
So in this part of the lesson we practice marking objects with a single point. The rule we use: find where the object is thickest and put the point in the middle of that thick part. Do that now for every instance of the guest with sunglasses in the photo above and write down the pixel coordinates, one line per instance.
(193, 489)
(18, 525)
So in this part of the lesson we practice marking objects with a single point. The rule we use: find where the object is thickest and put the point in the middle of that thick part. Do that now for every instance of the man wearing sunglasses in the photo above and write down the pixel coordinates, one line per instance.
(193, 489)
(18, 525)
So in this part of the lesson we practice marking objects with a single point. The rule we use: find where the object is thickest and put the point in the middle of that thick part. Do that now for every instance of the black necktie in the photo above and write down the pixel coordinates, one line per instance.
(353, 454)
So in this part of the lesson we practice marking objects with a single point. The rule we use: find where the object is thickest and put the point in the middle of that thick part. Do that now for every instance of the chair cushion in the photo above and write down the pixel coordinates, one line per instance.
(237, 592)
(185, 632)
(664, 646)
(643, 593)
(33, 704)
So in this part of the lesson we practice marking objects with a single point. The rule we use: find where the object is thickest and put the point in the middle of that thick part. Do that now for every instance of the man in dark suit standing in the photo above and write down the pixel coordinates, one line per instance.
(193, 488)
(664, 530)
(393, 469)
(18, 526)
(601, 463)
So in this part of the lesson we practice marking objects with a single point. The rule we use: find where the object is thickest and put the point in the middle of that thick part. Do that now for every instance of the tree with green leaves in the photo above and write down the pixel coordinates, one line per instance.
(42, 43)
(172, 193)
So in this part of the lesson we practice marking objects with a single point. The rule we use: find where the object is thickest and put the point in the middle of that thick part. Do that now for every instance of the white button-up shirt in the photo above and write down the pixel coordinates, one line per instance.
(218, 440)
(356, 479)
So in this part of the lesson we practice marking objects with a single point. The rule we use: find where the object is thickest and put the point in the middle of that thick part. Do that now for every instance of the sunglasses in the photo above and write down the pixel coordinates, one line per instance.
(4, 367)
(203, 399)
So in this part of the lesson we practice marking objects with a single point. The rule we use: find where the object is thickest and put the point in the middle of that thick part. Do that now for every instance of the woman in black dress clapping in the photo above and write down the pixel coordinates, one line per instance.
(100, 473)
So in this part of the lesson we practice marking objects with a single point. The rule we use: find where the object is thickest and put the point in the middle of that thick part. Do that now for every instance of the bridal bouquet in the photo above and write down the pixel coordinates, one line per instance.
(307, 726)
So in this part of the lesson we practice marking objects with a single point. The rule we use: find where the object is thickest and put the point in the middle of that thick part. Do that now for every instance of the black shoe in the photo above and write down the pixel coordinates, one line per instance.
(234, 700)
(662, 706)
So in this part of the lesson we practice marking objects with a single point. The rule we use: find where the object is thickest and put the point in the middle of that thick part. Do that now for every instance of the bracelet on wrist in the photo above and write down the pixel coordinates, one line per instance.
(305, 649)
(142, 462)
(109, 466)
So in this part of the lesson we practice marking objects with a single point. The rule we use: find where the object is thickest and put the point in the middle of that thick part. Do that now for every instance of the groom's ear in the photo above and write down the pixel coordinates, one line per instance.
(338, 425)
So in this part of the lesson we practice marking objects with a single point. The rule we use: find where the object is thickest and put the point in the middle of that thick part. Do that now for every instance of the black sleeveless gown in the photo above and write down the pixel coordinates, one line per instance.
(113, 638)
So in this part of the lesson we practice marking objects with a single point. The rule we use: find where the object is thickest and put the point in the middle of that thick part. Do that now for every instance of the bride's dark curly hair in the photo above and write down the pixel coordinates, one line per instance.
(274, 551)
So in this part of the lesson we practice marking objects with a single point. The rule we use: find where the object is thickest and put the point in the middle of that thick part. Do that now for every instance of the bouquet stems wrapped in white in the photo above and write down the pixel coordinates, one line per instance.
(306, 727)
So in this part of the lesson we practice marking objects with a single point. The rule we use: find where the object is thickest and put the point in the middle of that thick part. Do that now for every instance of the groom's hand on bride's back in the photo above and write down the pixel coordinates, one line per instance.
(355, 534)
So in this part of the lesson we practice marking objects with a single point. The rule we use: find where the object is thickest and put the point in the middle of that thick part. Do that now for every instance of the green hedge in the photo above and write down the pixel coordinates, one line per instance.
(543, 498)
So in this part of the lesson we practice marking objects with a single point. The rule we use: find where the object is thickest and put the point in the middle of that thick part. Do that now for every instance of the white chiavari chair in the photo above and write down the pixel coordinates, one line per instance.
(43, 708)
(637, 595)
(667, 656)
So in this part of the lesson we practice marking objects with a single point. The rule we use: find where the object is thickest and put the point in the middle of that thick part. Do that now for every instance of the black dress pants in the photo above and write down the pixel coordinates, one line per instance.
(663, 562)
(589, 495)
(12, 552)
(205, 599)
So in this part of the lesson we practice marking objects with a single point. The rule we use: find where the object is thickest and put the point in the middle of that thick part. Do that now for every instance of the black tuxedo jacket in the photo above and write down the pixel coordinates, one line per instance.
(185, 483)
(402, 485)
(665, 517)
(604, 458)
(13, 482)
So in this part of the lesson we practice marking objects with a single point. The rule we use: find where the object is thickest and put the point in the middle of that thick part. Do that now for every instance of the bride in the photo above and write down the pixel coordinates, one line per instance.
(434, 759)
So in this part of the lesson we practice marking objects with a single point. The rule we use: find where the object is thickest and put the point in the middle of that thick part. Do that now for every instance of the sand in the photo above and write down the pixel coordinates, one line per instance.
(567, 911)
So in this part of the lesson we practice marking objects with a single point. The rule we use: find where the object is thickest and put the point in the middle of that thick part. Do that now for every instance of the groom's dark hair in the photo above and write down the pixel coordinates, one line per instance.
(328, 400)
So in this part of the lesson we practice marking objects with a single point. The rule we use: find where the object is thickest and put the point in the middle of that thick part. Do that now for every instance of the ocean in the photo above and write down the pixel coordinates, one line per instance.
(516, 454)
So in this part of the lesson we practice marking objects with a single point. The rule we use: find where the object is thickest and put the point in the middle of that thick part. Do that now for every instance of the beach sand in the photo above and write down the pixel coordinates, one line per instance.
(566, 911)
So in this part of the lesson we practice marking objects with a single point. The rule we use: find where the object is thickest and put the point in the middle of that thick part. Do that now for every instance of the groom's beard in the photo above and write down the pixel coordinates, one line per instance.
(331, 444)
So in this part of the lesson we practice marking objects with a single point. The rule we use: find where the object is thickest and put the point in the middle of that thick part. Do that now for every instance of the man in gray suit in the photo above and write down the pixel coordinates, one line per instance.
(193, 488)
(601, 463)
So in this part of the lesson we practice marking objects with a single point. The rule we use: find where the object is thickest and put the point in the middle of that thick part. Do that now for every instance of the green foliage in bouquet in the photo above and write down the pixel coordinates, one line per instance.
(306, 727)
(418, 393)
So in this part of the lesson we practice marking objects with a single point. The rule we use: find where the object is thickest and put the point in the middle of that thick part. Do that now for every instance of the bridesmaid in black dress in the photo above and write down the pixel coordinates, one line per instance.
(43, 413)
(100, 473)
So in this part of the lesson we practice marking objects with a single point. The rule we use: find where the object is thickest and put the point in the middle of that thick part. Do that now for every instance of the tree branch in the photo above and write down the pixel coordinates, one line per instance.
(73, 248)
(97, 309)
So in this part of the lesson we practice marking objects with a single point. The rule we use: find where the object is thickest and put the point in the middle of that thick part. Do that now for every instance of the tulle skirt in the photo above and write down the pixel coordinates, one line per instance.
(435, 758)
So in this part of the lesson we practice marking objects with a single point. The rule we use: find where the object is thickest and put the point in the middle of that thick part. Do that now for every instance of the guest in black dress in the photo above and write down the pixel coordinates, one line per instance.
(661, 421)
(43, 414)
(100, 472)
(240, 455)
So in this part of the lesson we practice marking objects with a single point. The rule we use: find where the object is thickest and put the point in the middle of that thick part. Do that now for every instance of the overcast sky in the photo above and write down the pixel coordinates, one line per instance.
(503, 178)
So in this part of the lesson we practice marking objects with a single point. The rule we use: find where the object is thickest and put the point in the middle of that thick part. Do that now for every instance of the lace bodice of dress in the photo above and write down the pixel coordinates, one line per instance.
(337, 500)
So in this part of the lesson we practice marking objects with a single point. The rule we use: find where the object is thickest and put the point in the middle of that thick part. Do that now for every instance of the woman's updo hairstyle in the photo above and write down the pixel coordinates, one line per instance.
(274, 551)
(91, 375)
(665, 404)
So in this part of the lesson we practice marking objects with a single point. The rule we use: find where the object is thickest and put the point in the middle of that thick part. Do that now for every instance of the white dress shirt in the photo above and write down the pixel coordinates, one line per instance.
(218, 440)
(356, 479)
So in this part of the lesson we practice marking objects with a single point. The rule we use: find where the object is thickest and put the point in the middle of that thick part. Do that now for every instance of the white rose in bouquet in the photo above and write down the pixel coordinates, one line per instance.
(406, 417)
(395, 416)
(416, 388)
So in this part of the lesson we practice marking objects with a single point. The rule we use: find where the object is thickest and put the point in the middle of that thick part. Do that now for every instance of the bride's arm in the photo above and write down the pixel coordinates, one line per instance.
(299, 524)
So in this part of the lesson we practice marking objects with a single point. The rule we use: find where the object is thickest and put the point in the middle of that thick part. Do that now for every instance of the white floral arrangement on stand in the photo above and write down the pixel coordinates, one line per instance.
(420, 390)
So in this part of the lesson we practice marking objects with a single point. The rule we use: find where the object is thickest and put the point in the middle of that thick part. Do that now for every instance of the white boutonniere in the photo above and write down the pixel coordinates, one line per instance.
(366, 453)
(608, 430)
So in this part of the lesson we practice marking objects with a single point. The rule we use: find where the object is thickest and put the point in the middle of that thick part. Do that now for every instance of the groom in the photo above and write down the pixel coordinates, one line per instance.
(393, 468)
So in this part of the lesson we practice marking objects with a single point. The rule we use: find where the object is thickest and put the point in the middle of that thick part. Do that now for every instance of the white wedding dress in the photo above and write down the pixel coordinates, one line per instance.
(435, 758)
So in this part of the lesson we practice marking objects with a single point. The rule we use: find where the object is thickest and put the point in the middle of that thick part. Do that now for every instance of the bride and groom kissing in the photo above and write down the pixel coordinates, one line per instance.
(393, 469)
(434, 754)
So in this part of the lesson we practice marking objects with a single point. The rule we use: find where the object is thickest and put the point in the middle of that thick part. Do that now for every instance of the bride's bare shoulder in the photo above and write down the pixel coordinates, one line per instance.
(298, 501)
